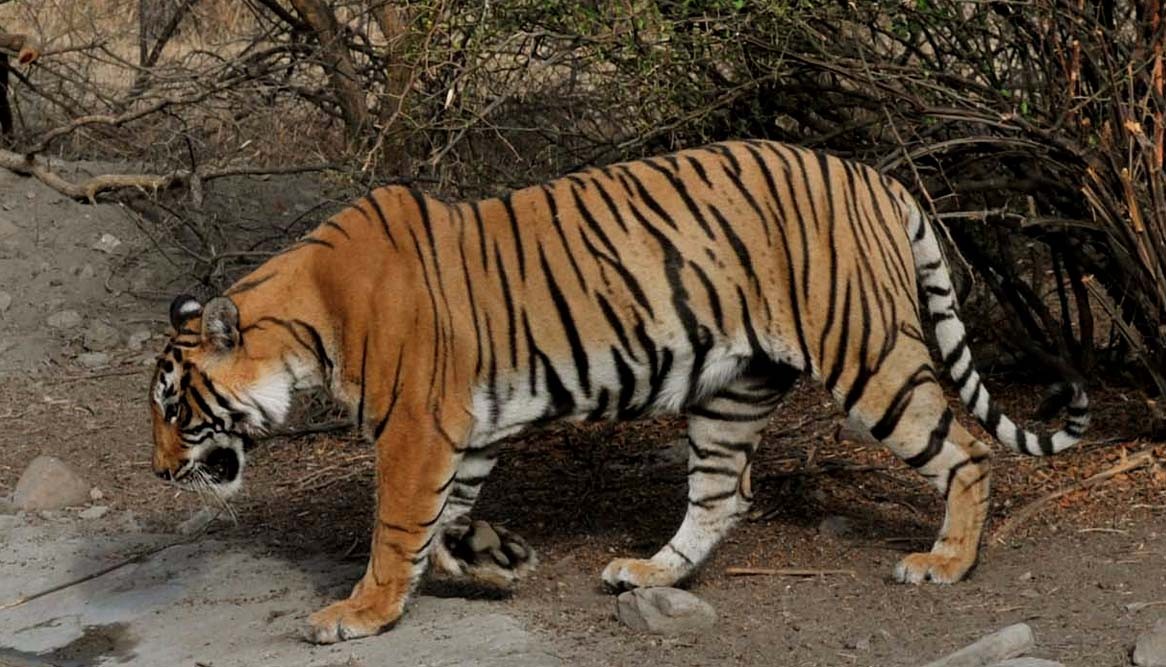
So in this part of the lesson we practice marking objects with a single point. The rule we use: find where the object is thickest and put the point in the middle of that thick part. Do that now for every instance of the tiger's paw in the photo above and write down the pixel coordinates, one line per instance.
(489, 554)
(347, 619)
(936, 568)
(624, 574)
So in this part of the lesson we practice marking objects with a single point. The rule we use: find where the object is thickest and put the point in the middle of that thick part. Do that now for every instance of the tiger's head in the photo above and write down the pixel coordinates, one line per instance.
(210, 395)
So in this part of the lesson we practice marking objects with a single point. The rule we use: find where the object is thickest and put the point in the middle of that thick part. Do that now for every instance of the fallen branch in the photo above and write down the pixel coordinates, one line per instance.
(783, 572)
(88, 189)
(1130, 463)
(106, 570)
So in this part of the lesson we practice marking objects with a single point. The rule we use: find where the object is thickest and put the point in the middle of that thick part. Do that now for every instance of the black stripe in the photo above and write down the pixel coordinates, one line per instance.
(886, 424)
(714, 300)
(363, 362)
(934, 441)
(615, 323)
(511, 316)
(558, 225)
(394, 393)
(682, 190)
(335, 225)
(372, 201)
(578, 354)
(515, 235)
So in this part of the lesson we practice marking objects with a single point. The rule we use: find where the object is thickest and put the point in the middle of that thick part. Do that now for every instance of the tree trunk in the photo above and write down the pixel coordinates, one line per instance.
(337, 61)
(394, 25)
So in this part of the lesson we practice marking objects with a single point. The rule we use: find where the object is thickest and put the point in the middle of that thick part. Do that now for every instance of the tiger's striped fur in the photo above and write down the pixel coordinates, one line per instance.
(703, 282)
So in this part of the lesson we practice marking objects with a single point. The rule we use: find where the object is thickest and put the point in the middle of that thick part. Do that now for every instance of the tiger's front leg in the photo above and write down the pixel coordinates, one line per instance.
(416, 461)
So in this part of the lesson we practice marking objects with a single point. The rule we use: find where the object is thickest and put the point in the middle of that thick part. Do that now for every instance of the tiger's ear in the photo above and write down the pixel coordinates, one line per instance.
(220, 324)
(182, 309)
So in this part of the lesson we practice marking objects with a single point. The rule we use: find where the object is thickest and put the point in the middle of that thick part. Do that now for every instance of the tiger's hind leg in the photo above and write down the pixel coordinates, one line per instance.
(910, 415)
(724, 431)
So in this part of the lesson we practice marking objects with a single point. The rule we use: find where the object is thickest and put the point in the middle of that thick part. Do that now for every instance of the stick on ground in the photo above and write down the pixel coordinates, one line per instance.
(1138, 460)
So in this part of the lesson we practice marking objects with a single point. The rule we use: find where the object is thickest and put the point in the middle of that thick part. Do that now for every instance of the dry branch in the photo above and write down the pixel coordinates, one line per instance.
(1138, 460)
(88, 189)
(783, 572)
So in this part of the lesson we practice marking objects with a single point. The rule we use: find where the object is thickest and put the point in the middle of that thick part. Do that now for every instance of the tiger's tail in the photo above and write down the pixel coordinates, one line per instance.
(935, 282)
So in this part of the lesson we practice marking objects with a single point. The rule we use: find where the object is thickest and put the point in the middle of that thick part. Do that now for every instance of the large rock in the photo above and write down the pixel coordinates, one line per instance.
(65, 319)
(1010, 642)
(1150, 651)
(664, 611)
(49, 483)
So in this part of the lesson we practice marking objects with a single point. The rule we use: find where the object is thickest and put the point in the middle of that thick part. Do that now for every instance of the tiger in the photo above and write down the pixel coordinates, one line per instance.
(704, 282)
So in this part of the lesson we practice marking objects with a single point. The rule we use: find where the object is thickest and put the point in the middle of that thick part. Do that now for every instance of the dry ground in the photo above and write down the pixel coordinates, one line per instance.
(584, 495)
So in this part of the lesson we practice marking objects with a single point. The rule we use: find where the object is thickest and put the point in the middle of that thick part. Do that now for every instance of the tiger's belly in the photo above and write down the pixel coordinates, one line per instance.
(621, 384)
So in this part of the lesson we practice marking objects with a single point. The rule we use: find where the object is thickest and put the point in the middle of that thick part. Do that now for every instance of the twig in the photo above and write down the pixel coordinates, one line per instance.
(783, 572)
(106, 570)
(100, 374)
(87, 190)
(1136, 461)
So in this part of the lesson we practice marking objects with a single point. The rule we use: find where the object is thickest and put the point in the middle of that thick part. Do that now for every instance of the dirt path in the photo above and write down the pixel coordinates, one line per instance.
(581, 496)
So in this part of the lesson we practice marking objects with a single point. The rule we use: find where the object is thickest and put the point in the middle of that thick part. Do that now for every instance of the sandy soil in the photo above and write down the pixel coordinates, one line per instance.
(580, 495)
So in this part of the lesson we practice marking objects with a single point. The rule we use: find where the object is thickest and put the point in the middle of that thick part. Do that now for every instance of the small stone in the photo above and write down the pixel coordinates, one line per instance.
(859, 644)
(93, 359)
(95, 512)
(95, 494)
(107, 243)
(664, 611)
(1150, 650)
(851, 431)
(137, 340)
(5, 301)
(836, 526)
(86, 272)
(49, 483)
(197, 521)
(101, 336)
(65, 319)
(1027, 576)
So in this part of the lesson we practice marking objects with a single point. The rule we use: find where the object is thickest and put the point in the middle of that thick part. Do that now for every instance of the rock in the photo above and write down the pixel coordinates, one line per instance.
(86, 272)
(1027, 662)
(95, 494)
(93, 359)
(1150, 651)
(852, 431)
(65, 319)
(197, 521)
(857, 643)
(49, 483)
(664, 611)
(137, 340)
(836, 526)
(107, 243)
(1010, 642)
(5, 301)
(95, 512)
(8, 522)
(1027, 576)
(100, 336)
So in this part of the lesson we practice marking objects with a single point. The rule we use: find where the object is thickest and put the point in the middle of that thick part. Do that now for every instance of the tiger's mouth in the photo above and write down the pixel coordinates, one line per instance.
(216, 466)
